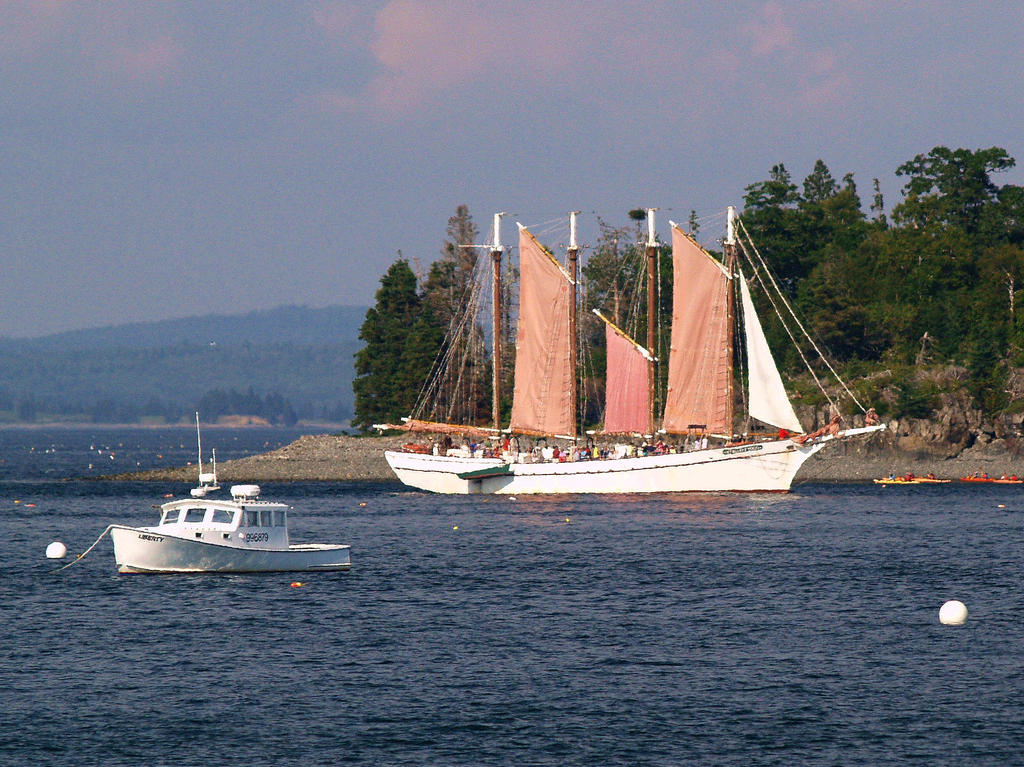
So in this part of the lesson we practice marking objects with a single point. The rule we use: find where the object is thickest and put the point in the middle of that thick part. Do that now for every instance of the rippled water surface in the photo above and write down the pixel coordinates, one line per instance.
(727, 630)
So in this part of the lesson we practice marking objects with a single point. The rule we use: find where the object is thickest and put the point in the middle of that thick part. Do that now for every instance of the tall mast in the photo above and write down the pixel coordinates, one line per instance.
(652, 251)
(496, 323)
(573, 254)
(730, 266)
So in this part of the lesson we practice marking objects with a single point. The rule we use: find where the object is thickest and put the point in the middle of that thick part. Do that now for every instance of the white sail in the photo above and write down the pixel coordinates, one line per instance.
(768, 399)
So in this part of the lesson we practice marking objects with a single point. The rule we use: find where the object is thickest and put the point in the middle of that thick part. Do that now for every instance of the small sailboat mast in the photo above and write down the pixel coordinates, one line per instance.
(199, 443)
(207, 480)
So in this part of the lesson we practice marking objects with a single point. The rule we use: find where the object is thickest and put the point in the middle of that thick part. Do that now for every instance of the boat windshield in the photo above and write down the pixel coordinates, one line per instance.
(170, 517)
(195, 515)
(221, 516)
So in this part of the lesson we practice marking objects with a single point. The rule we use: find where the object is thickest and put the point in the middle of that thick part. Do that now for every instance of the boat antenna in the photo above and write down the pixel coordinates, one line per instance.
(199, 443)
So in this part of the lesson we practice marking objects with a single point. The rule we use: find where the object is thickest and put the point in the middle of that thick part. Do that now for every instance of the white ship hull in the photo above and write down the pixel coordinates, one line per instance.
(145, 550)
(757, 467)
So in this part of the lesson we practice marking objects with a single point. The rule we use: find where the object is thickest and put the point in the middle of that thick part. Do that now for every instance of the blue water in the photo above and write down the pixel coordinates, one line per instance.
(28, 453)
(721, 630)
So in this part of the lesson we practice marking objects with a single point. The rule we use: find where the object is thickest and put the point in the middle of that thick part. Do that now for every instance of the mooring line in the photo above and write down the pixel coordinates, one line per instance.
(81, 556)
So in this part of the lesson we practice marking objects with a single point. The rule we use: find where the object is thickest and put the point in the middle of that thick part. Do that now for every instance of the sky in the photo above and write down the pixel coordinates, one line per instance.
(172, 159)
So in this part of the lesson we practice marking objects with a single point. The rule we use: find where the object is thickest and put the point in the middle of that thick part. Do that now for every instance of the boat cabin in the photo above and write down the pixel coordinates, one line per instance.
(244, 521)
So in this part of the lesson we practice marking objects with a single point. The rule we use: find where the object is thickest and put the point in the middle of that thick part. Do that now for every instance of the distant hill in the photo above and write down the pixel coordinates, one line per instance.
(163, 369)
(285, 324)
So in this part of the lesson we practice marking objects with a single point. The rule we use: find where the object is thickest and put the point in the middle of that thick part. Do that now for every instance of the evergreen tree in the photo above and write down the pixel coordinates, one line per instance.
(878, 204)
(774, 221)
(385, 385)
(1004, 221)
(450, 279)
(611, 273)
(819, 185)
(449, 330)
(950, 187)
(778, 191)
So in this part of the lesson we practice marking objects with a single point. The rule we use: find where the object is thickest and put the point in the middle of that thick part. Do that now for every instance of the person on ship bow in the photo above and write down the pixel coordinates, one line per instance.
(832, 428)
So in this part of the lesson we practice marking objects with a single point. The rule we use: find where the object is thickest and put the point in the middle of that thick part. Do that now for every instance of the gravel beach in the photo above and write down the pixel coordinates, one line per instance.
(334, 458)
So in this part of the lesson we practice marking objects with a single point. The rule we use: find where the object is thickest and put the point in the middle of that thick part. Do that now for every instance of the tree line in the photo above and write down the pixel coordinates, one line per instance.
(163, 384)
(933, 283)
(274, 407)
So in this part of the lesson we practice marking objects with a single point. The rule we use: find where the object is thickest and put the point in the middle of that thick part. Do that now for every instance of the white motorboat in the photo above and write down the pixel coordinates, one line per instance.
(242, 534)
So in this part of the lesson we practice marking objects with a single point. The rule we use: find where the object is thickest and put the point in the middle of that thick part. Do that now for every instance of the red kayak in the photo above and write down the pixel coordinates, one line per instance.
(1001, 481)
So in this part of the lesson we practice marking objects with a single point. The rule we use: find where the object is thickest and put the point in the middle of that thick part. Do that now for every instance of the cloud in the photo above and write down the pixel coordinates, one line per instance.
(424, 50)
(822, 82)
(770, 34)
(421, 50)
(144, 60)
(99, 46)
(786, 64)
(429, 55)
(343, 22)
(27, 28)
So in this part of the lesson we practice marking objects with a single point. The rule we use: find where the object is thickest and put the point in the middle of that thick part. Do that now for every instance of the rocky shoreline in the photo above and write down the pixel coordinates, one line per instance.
(337, 458)
(310, 458)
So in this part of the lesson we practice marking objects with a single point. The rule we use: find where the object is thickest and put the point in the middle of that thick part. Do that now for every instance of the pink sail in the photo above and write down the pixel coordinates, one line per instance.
(542, 397)
(627, 389)
(699, 367)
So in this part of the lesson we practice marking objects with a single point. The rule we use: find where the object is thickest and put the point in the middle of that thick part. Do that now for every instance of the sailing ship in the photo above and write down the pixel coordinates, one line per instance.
(699, 401)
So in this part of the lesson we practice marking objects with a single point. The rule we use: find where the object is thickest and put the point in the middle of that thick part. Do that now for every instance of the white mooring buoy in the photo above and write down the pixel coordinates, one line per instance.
(953, 613)
(56, 550)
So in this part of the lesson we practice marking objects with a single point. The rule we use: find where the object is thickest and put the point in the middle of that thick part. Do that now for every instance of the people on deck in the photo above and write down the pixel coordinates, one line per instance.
(831, 428)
